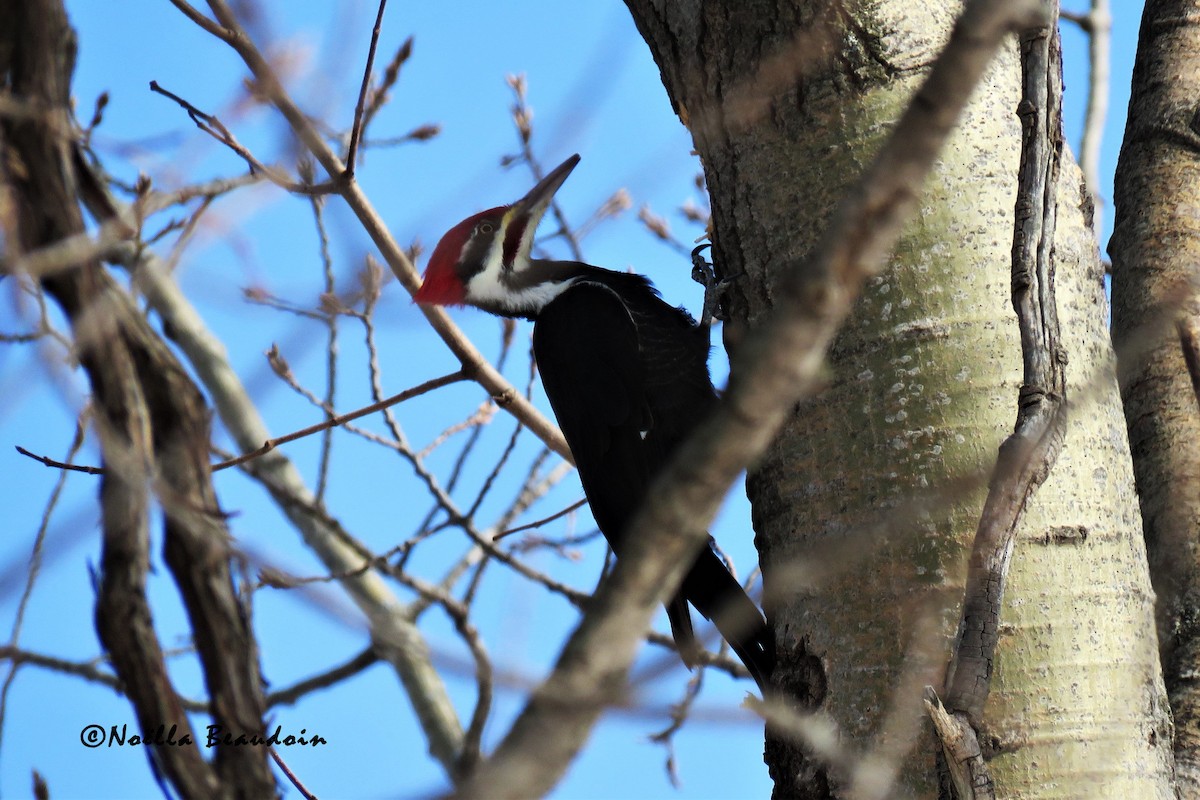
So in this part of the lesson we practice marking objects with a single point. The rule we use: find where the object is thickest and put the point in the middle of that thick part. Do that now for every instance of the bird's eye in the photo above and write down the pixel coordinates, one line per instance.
(486, 227)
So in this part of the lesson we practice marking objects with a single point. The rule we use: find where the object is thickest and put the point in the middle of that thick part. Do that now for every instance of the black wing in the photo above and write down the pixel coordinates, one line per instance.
(587, 350)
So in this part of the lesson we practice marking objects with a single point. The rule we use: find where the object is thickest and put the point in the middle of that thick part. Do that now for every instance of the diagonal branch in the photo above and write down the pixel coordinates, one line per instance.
(778, 362)
(270, 444)
(473, 362)
(213, 126)
(360, 108)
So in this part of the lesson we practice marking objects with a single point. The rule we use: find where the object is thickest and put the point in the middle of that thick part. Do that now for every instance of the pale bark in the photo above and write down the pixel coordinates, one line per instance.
(1155, 252)
(863, 496)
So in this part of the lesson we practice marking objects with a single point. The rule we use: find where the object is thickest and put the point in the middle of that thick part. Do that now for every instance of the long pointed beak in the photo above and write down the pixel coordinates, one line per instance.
(532, 206)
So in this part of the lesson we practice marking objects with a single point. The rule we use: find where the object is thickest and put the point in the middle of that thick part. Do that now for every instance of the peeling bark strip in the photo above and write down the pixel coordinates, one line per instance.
(153, 427)
(1027, 456)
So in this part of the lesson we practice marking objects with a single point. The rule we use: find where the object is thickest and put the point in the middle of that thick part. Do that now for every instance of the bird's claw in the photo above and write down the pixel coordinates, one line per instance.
(704, 274)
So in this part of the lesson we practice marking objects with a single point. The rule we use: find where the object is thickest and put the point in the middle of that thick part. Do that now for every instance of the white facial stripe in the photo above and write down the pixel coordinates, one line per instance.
(493, 263)
(497, 288)
(487, 291)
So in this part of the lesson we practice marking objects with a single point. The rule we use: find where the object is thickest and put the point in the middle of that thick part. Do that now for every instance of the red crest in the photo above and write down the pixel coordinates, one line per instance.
(443, 285)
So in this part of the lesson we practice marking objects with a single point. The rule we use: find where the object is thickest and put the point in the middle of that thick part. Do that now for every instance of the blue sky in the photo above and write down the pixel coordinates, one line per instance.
(594, 90)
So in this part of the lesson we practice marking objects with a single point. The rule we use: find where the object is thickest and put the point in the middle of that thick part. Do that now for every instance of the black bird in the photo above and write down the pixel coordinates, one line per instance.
(626, 375)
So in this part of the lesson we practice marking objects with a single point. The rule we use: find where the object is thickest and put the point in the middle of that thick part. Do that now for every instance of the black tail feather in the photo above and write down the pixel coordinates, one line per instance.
(680, 618)
(719, 597)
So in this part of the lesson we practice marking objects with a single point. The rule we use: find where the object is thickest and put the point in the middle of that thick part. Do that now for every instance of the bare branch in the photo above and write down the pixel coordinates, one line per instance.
(379, 95)
(271, 444)
(50, 462)
(35, 565)
(329, 305)
(1097, 24)
(291, 776)
(472, 361)
(679, 716)
(292, 694)
(342, 419)
(204, 22)
(578, 504)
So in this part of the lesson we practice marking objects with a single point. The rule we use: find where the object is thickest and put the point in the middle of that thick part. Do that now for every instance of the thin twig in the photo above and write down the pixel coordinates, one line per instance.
(342, 419)
(379, 96)
(359, 109)
(216, 129)
(484, 673)
(50, 462)
(204, 22)
(271, 444)
(679, 716)
(291, 776)
(331, 347)
(497, 468)
(292, 694)
(35, 564)
(475, 423)
(522, 117)
(578, 504)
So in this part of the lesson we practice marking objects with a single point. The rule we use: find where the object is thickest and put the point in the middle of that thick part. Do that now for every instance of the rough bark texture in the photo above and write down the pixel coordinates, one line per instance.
(860, 508)
(1155, 250)
(153, 427)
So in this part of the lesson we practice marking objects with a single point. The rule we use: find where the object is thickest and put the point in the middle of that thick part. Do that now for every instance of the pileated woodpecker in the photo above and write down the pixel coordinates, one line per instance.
(626, 375)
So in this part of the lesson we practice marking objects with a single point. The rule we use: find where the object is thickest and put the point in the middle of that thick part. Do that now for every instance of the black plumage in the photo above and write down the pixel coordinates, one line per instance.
(627, 377)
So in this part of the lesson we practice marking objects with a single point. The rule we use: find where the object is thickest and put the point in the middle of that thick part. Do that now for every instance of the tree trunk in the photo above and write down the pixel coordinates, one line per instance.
(1155, 249)
(866, 505)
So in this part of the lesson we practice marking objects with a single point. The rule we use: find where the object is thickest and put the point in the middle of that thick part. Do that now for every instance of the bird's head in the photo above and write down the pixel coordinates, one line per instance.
(484, 261)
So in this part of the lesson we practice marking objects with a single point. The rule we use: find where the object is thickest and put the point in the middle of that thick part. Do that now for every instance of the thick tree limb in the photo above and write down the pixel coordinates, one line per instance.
(153, 428)
(776, 364)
